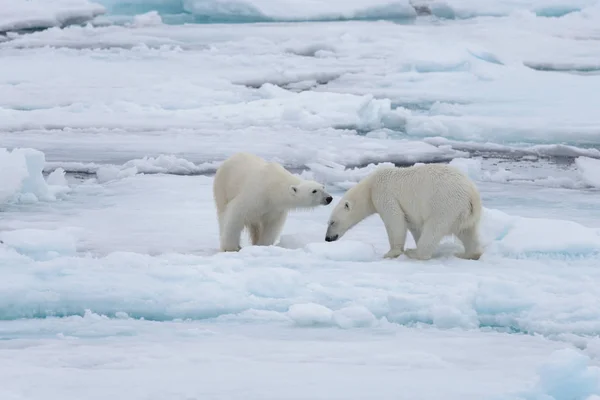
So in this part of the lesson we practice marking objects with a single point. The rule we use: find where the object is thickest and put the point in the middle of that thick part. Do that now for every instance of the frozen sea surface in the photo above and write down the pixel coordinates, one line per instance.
(111, 283)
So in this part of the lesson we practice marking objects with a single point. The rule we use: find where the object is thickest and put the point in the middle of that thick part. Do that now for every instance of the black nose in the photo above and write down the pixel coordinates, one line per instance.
(331, 238)
(328, 199)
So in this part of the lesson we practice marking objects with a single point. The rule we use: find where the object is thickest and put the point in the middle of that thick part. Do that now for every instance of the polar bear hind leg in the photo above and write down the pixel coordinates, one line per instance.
(434, 230)
(233, 225)
(254, 230)
(470, 240)
(415, 231)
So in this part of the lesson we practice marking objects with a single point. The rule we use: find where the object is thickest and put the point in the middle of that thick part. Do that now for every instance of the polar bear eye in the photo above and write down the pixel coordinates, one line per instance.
(314, 191)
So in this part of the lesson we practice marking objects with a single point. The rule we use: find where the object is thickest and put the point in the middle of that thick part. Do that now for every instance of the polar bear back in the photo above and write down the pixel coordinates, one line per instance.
(425, 190)
(248, 173)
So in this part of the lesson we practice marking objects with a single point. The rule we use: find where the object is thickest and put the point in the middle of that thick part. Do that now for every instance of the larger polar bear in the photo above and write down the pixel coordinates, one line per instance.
(252, 193)
(431, 201)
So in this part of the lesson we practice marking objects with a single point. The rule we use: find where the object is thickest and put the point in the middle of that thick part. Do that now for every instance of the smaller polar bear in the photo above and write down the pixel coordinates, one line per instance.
(431, 201)
(253, 193)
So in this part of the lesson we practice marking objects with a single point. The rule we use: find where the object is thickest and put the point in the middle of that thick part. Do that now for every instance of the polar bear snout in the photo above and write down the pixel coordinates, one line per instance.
(331, 238)
(327, 200)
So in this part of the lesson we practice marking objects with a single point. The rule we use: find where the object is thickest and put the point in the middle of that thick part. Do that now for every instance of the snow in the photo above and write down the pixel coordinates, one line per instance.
(111, 278)
(37, 14)
(247, 86)
(179, 360)
(343, 251)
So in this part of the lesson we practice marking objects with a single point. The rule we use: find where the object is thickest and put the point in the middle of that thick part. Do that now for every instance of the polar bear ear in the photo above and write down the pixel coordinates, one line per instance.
(347, 205)
(293, 190)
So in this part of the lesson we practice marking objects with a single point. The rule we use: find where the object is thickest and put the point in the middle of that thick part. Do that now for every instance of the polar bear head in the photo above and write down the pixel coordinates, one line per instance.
(309, 194)
(340, 221)
(353, 207)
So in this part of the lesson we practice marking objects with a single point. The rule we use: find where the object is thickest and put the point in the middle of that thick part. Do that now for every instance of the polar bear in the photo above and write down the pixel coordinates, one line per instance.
(431, 201)
(252, 193)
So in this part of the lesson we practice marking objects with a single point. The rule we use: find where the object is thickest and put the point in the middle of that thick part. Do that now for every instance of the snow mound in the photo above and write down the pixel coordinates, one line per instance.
(312, 314)
(40, 244)
(21, 178)
(107, 173)
(41, 14)
(550, 236)
(568, 375)
(526, 237)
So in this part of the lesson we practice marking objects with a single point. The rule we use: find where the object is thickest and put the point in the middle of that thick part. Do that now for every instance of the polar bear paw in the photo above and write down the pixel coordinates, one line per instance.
(465, 256)
(414, 254)
(230, 248)
(394, 253)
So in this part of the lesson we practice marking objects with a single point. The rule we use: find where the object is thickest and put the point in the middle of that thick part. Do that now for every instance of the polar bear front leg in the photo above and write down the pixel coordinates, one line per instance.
(272, 226)
(395, 225)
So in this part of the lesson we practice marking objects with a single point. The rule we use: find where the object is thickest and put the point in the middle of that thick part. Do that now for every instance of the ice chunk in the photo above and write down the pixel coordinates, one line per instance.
(21, 178)
(13, 170)
(339, 174)
(165, 164)
(310, 314)
(469, 166)
(589, 168)
(169, 164)
(57, 178)
(151, 18)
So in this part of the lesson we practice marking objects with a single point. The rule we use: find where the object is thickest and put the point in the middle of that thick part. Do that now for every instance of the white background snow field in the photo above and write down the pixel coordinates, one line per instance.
(114, 116)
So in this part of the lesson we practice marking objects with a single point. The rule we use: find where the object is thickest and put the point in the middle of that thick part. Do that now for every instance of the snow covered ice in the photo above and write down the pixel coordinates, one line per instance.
(115, 114)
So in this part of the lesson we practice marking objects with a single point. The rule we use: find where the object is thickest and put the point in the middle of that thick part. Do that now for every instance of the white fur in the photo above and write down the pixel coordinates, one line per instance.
(253, 193)
(431, 201)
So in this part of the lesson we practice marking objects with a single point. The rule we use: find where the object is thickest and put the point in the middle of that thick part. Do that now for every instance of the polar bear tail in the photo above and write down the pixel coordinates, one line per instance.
(475, 210)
